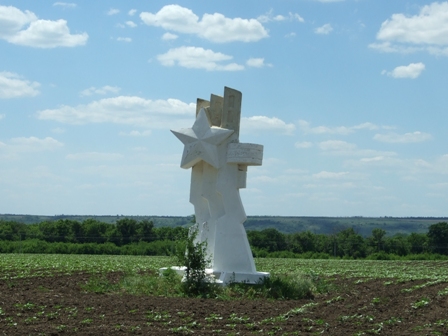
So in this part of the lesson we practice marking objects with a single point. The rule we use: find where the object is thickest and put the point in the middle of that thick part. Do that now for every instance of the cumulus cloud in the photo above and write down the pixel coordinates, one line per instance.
(213, 27)
(428, 30)
(257, 63)
(124, 39)
(169, 36)
(343, 148)
(198, 58)
(337, 146)
(269, 16)
(135, 133)
(342, 130)
(132, 12)
(262, 123)
(131, 24)
(65, 4)
(403, 138)
(304, 144)
(58, 130)
(330, 175)
(13, 19)
(113, 11)
(33, 144)
(127, 110)
(94, 156)
(24, 28)
(102, 91)
(412, 70)
(324, 30)
(13, 86)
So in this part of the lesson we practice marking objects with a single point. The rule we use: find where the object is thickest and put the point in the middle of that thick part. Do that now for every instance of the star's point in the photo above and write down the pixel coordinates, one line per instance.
(201, 141)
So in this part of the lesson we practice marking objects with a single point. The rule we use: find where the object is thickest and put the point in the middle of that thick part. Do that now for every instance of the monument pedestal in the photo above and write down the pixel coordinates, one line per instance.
(225, 278)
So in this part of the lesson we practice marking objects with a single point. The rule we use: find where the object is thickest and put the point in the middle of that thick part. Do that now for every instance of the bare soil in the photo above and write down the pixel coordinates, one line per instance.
(60, 306)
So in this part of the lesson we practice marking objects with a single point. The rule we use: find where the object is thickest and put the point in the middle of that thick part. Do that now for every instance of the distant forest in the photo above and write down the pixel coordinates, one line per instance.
(284, 224)
(131, 236)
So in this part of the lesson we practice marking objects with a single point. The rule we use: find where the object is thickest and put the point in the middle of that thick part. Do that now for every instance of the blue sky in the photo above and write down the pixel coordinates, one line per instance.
(349, 99)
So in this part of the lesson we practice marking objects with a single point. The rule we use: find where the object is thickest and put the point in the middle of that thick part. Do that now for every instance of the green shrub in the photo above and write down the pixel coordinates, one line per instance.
(193, 256)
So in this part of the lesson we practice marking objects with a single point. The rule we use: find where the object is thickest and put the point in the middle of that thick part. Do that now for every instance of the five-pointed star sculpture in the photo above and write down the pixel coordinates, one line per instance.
(201, 141)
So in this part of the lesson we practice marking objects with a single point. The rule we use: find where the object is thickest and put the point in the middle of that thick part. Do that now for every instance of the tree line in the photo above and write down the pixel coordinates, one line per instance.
(129, 236)
(349, 244)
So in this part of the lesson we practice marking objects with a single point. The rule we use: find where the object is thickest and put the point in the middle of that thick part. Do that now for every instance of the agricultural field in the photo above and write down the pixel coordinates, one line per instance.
(116, 295)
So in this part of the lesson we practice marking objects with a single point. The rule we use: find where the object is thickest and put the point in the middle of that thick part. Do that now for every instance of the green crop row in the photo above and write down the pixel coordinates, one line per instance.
(28, 265)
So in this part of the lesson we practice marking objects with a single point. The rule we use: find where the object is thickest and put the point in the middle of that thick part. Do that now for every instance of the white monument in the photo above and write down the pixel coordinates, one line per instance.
(219, 167)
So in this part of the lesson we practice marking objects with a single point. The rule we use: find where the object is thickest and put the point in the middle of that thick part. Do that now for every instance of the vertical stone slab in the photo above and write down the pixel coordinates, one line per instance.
(232, 252)
(231, 111)
(201, 103)
(216, 103)
(201, 209)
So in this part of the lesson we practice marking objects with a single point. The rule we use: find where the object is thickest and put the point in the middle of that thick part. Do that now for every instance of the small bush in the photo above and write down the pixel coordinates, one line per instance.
(193, 256)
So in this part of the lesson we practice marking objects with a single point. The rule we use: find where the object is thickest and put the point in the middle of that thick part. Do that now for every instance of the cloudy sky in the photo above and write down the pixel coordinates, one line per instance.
(349, 99)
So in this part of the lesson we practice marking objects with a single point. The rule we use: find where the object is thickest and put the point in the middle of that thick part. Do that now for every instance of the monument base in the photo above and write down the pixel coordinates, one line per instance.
(224, 278)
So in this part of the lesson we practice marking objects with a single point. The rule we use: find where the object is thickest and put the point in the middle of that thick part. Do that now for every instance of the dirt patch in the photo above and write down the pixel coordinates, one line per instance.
(59, 306)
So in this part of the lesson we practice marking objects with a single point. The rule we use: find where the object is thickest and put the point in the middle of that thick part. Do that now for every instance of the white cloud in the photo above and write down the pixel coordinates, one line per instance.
(388, 47)
(127, 110)
(213, 27)
(324, 30)
(65, 4)
(33, 144)
(304, 144)
(131, 24)
(132, 12)
(169, 36)
(427, 30)
(343, 148)
(102, 91)
(343, 130)
(13, 86)
(48, 34)
(135, 133)
(270, 17)
(262, 123)
(338, 146)
(124, 39)
(113, 11)
(58, 130)
(2, 116)
(13, 19)
(38, 33)
(403, 138)
(330, 175)
(257, 63)
(297, 17)
(94, 156)
(438, 51)
(412, 70)
(198, 58)
(366, 125)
